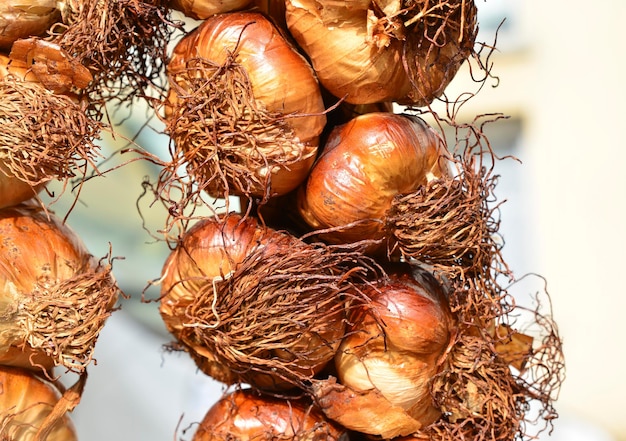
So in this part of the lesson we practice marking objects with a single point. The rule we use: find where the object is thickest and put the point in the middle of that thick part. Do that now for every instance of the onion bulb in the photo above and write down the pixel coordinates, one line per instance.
(399, 51)
(25, 18)
(254, 305)
(246, 415)
(364, 165)
(392, 350)
(203, 9)
(54, 295)
(244, 110)
(27, 403)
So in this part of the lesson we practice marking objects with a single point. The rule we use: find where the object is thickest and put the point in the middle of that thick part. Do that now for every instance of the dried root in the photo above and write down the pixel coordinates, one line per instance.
(64, 320)
(277, 319)
(44, 136)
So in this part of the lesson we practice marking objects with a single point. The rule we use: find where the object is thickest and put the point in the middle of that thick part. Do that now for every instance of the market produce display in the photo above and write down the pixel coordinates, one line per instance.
(348, 281)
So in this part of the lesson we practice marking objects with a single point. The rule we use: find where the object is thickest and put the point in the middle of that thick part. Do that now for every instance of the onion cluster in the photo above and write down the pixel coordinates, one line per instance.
(361, 269)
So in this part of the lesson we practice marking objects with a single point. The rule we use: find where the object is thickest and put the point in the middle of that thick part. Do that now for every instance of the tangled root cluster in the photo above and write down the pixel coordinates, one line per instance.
(65, 319)
(123, 43)
(43, 135)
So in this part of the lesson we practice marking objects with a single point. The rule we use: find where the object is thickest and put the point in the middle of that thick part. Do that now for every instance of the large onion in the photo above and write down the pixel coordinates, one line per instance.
(364, 165)
(392, 350)
(370, 51)
(254, 304)
(203, 9)
(245, 110)
(27, 403)
(25, 18)
(245, 415)
(54, 295)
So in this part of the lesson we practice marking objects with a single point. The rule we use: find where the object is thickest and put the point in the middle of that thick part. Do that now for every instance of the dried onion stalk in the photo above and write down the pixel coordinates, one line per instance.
(55, 296)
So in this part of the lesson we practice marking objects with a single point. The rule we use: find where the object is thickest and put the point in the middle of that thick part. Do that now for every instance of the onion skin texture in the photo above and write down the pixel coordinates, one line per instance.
(25, 401)
(210, 255)
(282, 83)
(54, 295)
(244, 415)
(392, 349)
(364, 165)
(203, 9)
(360, 48)
(25, 18)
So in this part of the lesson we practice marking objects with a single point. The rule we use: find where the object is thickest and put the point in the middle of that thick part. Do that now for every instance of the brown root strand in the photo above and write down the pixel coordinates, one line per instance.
(122, 42)
(222, 136)
(267, 304)
(43, 135)
(64, 319)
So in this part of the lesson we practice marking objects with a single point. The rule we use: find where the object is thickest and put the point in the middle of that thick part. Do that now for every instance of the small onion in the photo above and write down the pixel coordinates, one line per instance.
(25, 18)
(392, 350)
(370, 51)
(252, 304)
(54, 296)
(26, 401)
(364, 165)
(244, 109)
(246, 415)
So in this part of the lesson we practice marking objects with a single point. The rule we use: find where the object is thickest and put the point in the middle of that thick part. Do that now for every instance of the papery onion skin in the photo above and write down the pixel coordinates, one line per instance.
(275, 133)
(245, 415)
(225, 332)
(54, 295)
(368, 52)
(394, 346)
(25, 18)
(203, 9)
(25, 401)
(364, 165)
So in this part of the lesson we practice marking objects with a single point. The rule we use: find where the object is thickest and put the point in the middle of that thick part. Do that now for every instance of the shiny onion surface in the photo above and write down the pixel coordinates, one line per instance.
(364, 165)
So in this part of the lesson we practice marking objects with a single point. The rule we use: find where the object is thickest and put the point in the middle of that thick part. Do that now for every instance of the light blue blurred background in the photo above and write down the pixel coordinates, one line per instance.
(562, 78)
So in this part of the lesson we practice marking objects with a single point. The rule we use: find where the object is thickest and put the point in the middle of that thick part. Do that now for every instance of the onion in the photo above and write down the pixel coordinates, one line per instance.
(391, 352)
(27, 404)
(364, 165)
(255, 305)
(25, 18)
(398, 51)
(54, 296)
(203, 9)
(245, 415)
(244, 110)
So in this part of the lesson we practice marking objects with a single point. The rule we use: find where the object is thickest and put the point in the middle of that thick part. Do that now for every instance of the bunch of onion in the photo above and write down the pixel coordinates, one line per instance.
(29, 407)
(394, 347)
(44, 135)
(402, 51)
(366, 163)
(25, 18)
(55, 296)
(244, 109)
(256, 305)
(247, 415)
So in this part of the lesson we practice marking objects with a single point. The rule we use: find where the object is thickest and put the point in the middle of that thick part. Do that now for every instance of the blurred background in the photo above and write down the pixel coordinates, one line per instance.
(561, 73)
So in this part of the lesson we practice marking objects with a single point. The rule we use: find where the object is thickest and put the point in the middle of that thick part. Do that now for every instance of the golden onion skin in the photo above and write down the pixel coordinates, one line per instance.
(246, 415)
(25, 18)
(364, 165)
(25, 401)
